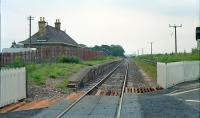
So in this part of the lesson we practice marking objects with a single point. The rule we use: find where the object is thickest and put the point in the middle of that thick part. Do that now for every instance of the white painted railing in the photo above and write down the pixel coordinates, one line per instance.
(170, 74)
(12, 85)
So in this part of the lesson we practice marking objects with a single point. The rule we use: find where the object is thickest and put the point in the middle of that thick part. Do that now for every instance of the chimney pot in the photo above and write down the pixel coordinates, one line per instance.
(57, 24)
(42, 25)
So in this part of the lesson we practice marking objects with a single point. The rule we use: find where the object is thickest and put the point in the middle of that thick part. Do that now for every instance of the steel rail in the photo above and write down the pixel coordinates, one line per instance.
(90, 90)
(122, 93)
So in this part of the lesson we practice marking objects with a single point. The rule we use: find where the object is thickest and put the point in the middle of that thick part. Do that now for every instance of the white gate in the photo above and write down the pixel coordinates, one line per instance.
(12, 85)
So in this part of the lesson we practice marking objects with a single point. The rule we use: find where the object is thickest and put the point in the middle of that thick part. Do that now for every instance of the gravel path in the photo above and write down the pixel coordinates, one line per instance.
(137, 77)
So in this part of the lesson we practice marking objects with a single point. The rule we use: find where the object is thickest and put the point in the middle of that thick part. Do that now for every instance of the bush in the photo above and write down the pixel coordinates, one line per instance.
(70, 59)
(17, 63)
(51, 75)
(195, 50)
(39, 79)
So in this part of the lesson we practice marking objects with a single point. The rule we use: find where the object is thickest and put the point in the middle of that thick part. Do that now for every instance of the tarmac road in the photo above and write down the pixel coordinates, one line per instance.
(190, 97)
(180, 101)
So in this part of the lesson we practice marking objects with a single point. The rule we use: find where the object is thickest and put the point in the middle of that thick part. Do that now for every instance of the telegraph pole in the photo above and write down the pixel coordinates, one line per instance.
(151, 43)
(175, 26)
(30, 18)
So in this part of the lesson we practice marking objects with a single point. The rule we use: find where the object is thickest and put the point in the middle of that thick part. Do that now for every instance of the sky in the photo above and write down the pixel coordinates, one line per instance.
(133, 24)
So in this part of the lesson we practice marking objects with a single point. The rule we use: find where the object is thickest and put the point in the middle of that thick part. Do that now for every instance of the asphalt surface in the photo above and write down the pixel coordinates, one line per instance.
(190, 97)
(165, 106)
(94, 107)
(21, 114)
(50, 112)
(181, 101)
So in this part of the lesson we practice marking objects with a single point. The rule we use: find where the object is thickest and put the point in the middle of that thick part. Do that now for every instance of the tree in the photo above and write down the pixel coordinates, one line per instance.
(114, 50)
(117, 50)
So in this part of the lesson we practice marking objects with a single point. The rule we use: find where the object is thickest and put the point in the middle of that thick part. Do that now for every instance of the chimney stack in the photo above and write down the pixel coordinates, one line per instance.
(57, 24)
(42, 25)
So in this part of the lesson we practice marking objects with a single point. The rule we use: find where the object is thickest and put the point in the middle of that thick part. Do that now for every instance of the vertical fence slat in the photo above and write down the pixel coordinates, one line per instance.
(46, 55)
(12, 85)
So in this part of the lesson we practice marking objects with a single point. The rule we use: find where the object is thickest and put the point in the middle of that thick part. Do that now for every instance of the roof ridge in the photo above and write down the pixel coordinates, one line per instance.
(52, 35)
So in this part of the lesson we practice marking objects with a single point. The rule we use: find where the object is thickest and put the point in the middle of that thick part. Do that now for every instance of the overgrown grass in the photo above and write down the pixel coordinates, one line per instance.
(148, 68)
(166, 58)
(70, 59)
(99, 60)
(39, 73)
(63, 85)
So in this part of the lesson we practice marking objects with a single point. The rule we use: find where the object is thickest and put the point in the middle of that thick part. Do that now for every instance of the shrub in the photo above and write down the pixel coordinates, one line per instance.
(69, 59)
(17, 62)
(195, 50)
(52, 75)
(39, 79)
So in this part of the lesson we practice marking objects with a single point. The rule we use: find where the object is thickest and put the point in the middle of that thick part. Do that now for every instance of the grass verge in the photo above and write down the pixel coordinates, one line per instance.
(59, 72)
(167, 58)
(148, 68)
(99, 60)
(39, 73)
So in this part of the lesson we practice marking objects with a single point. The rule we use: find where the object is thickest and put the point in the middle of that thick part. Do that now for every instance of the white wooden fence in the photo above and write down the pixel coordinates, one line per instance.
(12, 85)
(170, 74)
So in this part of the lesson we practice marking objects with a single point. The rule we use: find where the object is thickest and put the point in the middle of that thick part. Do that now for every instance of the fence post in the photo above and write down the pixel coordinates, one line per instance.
(26, 82)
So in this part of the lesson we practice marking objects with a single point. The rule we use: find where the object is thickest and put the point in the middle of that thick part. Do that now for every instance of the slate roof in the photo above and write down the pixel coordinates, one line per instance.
(52, 36)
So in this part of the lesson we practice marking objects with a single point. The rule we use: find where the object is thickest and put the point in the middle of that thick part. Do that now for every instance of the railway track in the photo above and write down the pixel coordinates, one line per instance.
(104, 96)
(115, 84)
(118, 74)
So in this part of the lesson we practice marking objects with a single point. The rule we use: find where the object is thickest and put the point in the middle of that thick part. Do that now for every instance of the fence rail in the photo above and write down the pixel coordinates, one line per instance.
(149, 62)
(12, 85)
(48, 55)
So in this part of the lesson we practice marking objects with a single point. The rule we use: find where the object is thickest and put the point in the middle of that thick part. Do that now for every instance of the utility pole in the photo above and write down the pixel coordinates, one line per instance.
(175, 26)
(138, 52)
(151, 43)
(30, 18)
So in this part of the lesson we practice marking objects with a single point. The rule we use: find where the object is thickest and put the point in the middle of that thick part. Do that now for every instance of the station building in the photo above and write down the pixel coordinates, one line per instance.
(49, 36)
